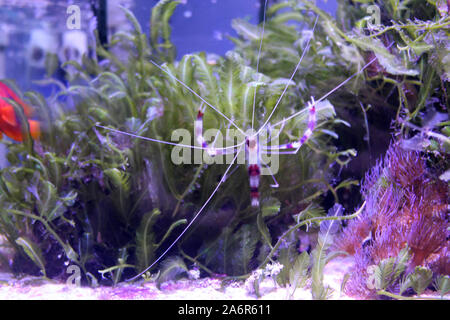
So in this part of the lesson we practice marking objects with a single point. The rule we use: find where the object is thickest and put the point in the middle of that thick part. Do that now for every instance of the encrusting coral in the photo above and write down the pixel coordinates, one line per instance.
(406, 208)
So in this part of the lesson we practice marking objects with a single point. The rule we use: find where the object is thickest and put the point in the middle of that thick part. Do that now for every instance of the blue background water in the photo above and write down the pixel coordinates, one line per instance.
(202, 25)
(197, 25)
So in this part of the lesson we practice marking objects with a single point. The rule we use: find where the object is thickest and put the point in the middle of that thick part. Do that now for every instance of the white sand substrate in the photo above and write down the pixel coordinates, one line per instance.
(30, 288)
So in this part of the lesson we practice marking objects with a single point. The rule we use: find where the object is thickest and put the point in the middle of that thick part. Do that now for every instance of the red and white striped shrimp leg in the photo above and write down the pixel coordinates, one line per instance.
(198, 130)
(254, 170)
(308, 132)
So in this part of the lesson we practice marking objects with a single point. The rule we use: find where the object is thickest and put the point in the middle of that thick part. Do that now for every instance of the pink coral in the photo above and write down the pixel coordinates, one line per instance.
(406, 206)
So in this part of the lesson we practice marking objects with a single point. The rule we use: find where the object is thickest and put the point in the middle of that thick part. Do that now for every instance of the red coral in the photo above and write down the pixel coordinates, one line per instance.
(353, 235)
(427, 235)
(406, 205)
(405, 168)
(439, 262)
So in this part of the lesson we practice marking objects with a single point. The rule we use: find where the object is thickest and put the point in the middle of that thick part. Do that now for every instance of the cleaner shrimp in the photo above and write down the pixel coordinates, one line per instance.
(252, 145)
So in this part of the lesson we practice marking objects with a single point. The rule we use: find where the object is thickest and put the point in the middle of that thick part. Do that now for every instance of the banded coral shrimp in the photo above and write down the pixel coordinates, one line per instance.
(249, 102)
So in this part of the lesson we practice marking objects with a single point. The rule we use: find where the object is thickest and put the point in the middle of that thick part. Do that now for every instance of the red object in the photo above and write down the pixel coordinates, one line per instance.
(9, 123)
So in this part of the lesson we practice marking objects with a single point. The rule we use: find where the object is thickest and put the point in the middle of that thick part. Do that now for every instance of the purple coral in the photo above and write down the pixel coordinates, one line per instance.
(406, 206)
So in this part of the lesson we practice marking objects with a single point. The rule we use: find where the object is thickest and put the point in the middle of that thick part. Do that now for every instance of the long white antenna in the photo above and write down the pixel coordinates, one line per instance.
(333, 90)
(257, 60)
(292, 77)
(166, 142)
(197, 95)
(224, 176)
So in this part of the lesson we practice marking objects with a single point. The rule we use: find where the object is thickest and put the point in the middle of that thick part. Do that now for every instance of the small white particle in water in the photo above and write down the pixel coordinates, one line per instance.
(183, 1)
(188, 14)
(218, 35)
(213, 1)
